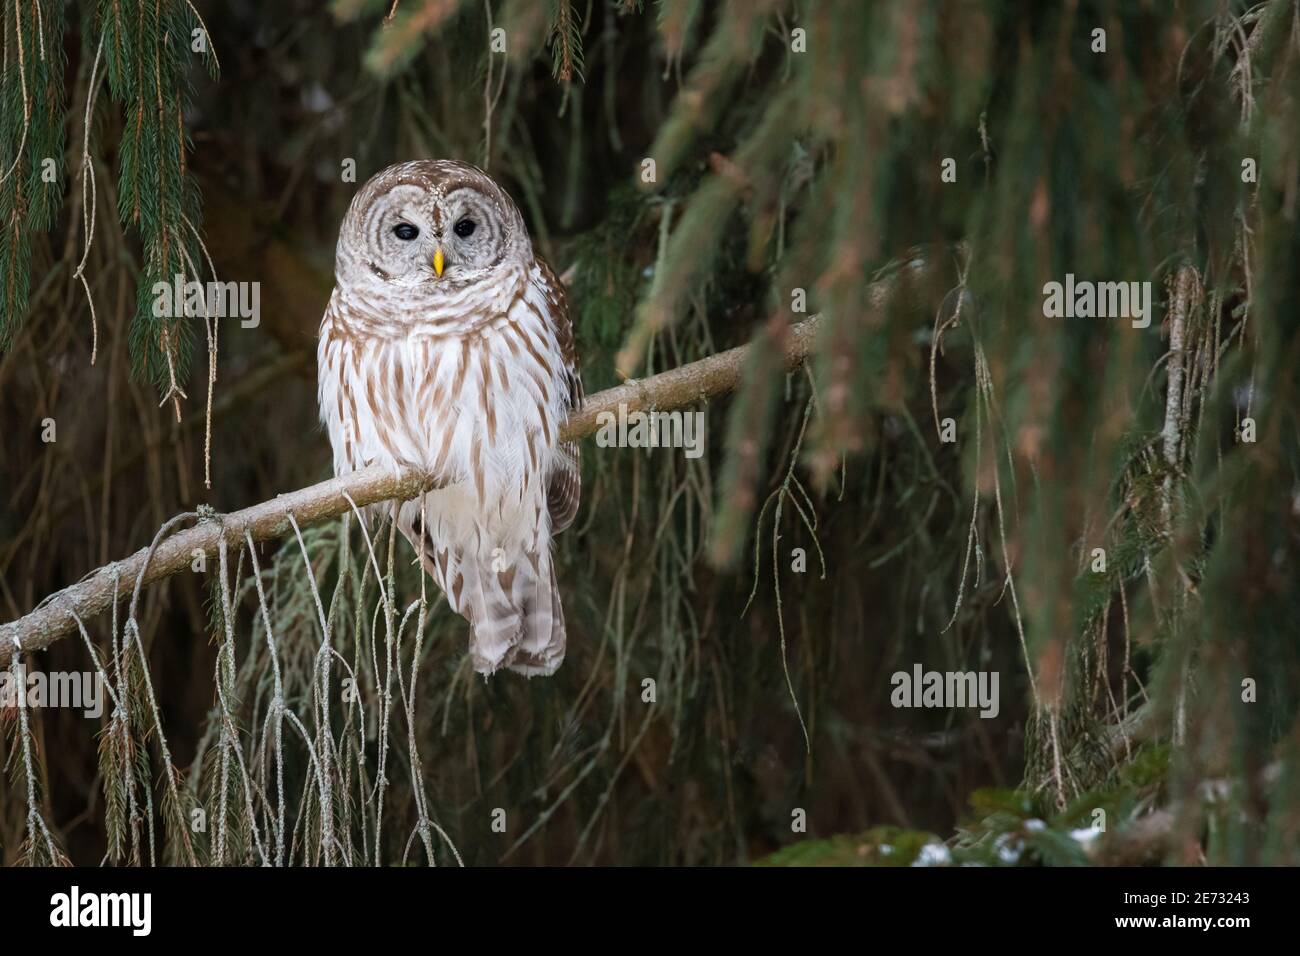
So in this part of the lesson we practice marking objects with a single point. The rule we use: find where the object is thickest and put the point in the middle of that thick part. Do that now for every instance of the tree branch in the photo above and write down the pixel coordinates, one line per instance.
(57, 614)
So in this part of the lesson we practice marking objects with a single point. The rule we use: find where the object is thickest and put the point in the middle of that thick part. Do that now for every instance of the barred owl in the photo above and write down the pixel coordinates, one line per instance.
(447, 346)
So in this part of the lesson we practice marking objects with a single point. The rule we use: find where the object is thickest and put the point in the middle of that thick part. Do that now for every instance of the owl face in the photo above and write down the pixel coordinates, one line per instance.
(437, 224)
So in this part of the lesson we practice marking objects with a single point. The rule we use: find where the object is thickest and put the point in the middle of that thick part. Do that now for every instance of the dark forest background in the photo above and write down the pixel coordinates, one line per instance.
(799, 154)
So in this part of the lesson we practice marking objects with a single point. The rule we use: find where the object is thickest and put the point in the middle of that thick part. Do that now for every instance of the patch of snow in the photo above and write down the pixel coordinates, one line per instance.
(1085, 835)
(933, 854)
(1006, 852)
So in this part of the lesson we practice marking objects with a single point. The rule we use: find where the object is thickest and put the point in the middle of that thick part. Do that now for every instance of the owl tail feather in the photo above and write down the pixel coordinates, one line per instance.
(542, 636)
(514, 611)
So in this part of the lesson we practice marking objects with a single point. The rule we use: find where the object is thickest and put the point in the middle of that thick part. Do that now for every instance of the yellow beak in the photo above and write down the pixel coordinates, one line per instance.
(437, 261)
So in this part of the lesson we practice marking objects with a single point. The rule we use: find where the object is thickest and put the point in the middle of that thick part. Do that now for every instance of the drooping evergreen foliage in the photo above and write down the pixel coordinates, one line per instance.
(1102, 512)
(149, 51)
(32, 109)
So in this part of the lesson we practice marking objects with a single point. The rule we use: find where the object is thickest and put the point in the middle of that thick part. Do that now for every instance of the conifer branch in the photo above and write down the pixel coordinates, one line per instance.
(57, 615)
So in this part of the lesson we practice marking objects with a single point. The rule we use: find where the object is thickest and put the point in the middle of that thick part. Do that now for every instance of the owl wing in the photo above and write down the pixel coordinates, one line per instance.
(564, 484)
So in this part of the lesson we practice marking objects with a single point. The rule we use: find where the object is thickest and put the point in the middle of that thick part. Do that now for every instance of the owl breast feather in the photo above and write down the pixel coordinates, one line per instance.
(477, 402)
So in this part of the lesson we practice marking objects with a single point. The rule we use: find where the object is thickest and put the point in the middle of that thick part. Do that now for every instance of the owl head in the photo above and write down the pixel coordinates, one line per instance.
(436, 224)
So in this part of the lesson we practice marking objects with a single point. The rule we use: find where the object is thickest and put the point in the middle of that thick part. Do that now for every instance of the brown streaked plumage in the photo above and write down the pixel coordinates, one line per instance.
(468, 373)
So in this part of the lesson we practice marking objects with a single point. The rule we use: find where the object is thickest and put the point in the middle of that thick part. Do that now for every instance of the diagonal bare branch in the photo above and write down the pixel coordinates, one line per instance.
(168, 555)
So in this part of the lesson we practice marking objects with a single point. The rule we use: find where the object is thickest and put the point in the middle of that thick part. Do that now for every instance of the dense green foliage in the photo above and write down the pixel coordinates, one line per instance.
(915, 172)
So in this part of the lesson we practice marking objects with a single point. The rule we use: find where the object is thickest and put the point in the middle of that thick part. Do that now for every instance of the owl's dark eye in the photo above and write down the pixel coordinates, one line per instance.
(465, 228)
(405, 231)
